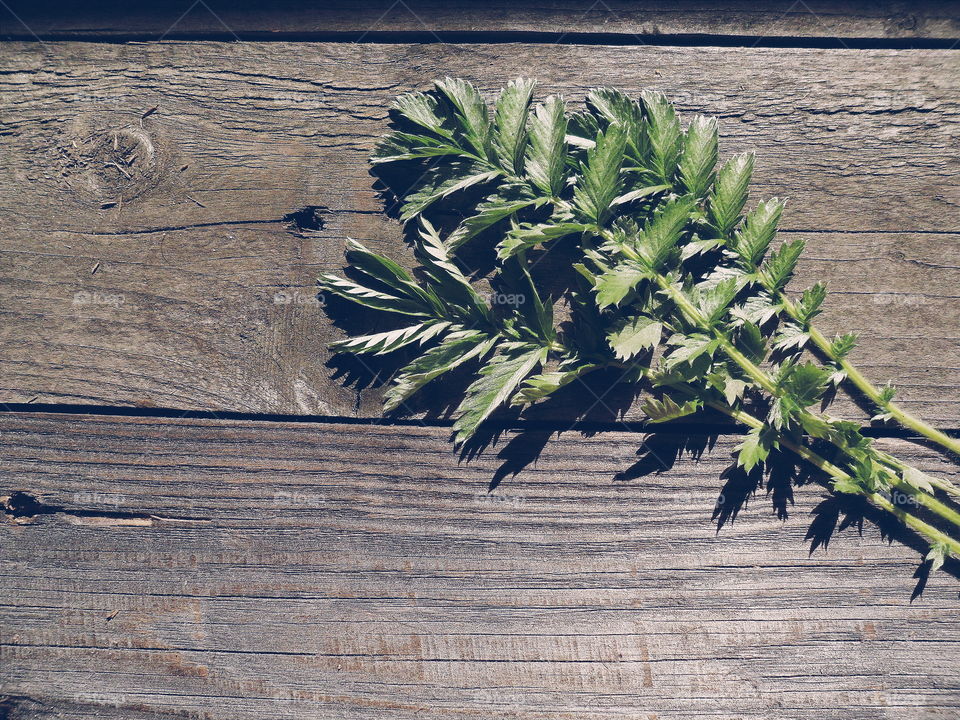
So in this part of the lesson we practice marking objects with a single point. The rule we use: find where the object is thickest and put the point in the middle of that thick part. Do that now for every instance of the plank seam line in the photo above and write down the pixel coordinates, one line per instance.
(429, 37)
(688, 428)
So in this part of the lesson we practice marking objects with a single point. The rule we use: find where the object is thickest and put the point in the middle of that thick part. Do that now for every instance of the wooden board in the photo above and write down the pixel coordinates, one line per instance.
(625, 20)
(196, 291)
(226, 569)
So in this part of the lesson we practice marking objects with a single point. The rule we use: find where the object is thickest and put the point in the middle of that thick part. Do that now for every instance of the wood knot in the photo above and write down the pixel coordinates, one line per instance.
(112, 166)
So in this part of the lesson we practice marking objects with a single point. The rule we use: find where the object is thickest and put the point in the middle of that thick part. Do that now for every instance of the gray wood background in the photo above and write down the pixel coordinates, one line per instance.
(222, 561)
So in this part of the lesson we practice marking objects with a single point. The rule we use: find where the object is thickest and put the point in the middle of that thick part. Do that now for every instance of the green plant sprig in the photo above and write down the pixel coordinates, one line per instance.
(672, 282)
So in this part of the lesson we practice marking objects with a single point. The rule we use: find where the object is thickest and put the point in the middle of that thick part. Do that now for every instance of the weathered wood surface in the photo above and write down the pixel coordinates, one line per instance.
(194, 292)
(626, 18)
(235, 570)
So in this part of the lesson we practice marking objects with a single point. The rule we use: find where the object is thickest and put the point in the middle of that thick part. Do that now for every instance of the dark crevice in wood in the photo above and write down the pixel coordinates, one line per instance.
(22, 505)
(530, 37)
(589, 426)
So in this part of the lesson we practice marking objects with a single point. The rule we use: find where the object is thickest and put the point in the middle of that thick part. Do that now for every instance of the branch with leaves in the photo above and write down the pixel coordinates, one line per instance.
(670, 281)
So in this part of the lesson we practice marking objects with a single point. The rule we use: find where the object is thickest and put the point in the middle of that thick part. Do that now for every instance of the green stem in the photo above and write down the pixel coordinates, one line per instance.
(764, 381)
(869, 389)
(923, 528)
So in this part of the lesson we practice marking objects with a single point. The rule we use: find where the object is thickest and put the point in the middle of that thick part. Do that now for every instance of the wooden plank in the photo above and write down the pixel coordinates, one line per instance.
(238, 569)
(178, 297)
(638, 21)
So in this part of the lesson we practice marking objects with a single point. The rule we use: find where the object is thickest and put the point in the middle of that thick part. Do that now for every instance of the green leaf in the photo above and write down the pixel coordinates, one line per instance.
(664, 132)
(398, 145)
(938, 554)
(616, 284)
(600, 180)
(750, 342)
(805, 383)
(790, 337)
(443, 180)
(547, 153)
(471, 114)
(537, 387)
(617, 108)
(386, 342)
(734, 390)
(754, 449)
(667, 409)
(759, 227)
(425, 111)
(455, 350)
(498, 380)
(699, 155)
(639, 194)
(689, 348)
(842, 345)
(368, 297)
(510, 123)
(386, 271)
(809, 305)
(441, 268)
(524, 237)
(714, 301)
(730, 193)
(918, 480)
(662, 233)
(634, 336)
(778, 269)
(507, 201)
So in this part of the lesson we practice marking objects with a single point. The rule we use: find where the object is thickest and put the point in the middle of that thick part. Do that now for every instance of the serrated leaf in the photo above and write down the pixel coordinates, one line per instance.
(842, 345)
(758, 310)
(368, 297)
(714, 301)
(699, 156)
(750, 342)
(666, 408)
(805, 383)
(455, 350)
(937, 556)
(755, 235)
(734, 390)
(425, 111)
(443, 180)
(809, 305)
(386, 271)
(510, 124)
(729, 193)
(600, 179)
(688, 348)
(524, 237)
(662, 233)
(753, 450)
(639, 194)
(498, 380)
(617, 108)
(918, 480)
(664, 133)
(616, 284)
(398, 145)
(390, 340)
(778, 269)
(470, 112)
(491, 211)
(538, 387)
(634, 336)
(547, 152)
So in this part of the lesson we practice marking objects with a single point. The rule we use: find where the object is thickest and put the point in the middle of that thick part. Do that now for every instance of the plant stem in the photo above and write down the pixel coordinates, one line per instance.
(869, 389)
(923, 528)
(764, 381)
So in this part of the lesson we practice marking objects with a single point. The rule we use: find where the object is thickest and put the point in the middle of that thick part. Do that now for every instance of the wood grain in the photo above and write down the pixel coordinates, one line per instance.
(225, 569)
(195, 292)
(629, 19)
